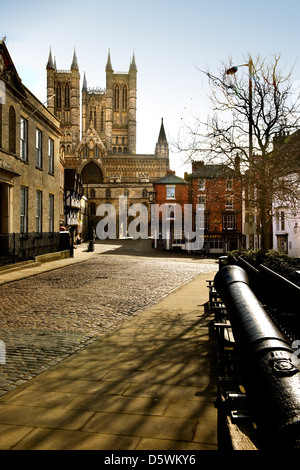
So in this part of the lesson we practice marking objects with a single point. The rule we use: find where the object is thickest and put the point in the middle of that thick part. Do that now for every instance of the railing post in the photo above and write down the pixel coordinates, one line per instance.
(14, 248)
(272, 380)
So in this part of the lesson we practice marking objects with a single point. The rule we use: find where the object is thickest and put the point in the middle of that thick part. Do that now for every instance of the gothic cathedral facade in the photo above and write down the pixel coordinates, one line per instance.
(102, 147)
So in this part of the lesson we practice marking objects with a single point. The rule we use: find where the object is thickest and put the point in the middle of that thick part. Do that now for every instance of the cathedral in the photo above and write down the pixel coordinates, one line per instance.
(98, 140)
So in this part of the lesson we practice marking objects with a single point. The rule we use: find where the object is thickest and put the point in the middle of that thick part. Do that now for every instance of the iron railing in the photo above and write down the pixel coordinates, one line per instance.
(267, 366)
(279, 297)
(17, 247)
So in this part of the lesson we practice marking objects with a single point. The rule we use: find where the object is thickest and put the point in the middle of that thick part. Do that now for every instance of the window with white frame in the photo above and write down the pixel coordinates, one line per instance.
(216, 244)
(229, 202)
(38, 145)
(38, 216)
(201, 200)
(277, 221)
(51, 213)
(229, 184)
(24, 209)
(229, 222)
(201, 185)
(170, 192)
(170, 212)
(51, 155)
(23, 139)
(280, 221)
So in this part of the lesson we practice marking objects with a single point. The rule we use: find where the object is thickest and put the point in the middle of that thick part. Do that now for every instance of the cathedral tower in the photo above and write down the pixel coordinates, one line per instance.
(121, 95)
(113, 111)
(64, 84)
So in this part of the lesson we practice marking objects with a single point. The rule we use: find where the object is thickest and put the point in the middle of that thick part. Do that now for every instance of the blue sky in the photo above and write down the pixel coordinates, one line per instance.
(171, 40)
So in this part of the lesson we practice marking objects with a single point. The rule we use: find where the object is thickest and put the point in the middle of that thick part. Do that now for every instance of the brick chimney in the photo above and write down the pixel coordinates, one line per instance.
(197, 165)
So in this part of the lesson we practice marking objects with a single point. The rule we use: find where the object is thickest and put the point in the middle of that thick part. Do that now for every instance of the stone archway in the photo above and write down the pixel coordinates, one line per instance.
(92, 174)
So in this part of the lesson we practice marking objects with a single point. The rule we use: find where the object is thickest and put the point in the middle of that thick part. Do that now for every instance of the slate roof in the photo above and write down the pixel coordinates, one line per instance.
(170, 179)
(213, 171)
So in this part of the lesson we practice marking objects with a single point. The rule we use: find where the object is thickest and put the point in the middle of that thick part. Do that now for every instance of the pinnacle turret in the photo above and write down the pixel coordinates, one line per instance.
(162, 134)
(108, 67)
(84, 86)
(133, 64)
(162, 146)
(50, 61)
(74, 65)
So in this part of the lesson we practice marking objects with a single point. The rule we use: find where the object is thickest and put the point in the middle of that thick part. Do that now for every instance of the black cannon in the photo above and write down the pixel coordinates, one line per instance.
(268, 363)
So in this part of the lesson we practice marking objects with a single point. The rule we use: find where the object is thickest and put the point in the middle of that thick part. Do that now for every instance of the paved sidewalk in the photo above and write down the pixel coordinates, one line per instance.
(150, 385)
(80, 254)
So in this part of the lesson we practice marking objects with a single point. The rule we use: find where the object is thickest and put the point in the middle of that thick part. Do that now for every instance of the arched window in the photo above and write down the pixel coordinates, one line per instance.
(114, 150)
(145, 193)
(12, 129)
(119, 150)
(92, 193)
(92, 174)
(126, 192)
(67, 96)
(108, 193)
(102, 120)
(58, 96)
(93, 209)
(125, 90)
(117, 98)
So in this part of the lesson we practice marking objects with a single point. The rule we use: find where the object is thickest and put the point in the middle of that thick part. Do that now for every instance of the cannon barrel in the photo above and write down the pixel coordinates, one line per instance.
(267, 362)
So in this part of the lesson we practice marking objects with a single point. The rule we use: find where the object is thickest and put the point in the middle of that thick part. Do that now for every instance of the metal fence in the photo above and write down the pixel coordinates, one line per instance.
(17, 247)
(279, 296)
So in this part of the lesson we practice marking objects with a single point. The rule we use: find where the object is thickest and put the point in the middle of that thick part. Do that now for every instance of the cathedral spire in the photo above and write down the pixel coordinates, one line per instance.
(133, 64)
(50, 61)
(84, 86)
(162, 146)
(108, 67)
(74, 65)
(162, 135)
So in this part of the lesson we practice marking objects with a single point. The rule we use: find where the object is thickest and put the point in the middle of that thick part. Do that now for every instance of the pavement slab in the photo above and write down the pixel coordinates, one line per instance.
(148, 384)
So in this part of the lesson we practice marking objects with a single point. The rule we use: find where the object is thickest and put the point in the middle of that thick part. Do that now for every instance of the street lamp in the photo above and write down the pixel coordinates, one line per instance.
(232, 71)
(151, 196)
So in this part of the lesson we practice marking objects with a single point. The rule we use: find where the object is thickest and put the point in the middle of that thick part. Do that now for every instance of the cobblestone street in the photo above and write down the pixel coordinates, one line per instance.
(45, 318)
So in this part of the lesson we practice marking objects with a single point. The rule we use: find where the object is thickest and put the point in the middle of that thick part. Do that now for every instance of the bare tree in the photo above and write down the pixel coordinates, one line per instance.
(253, 114)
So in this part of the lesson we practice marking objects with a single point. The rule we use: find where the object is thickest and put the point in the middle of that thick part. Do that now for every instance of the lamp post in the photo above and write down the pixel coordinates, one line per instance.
(151, 198)
(232, 71)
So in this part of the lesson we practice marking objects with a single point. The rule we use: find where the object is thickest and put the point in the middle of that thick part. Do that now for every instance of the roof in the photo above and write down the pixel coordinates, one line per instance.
(213, 171)
(162, 135)
(8, 71)
(170, 179)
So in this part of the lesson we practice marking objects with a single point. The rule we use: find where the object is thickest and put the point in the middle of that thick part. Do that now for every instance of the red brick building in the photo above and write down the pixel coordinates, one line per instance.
(219, 190)
(171, 194)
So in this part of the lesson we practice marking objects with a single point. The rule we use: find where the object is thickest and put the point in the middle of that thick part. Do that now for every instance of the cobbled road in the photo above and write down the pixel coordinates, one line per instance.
(45, 318)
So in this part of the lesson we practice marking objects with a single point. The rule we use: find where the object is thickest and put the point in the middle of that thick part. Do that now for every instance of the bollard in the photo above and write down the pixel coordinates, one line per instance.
(223, 261)
(91, 246)
(271, 379)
